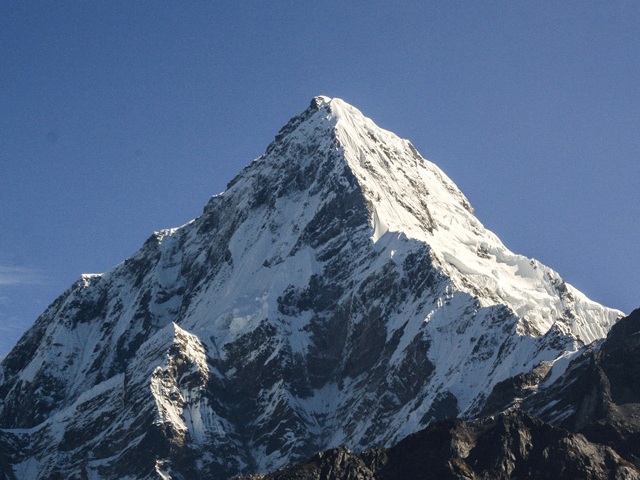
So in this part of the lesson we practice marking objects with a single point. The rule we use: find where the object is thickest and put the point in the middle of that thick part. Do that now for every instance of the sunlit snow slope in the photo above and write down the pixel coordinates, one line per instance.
(341, 291)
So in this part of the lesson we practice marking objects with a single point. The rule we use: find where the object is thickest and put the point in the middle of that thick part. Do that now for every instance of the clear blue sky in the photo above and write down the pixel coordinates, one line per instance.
(120, 118)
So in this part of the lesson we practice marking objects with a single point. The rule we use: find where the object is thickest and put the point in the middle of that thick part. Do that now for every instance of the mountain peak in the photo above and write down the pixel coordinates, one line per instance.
(385, 166)
(339, 292)
(320, 101)
(333, 145)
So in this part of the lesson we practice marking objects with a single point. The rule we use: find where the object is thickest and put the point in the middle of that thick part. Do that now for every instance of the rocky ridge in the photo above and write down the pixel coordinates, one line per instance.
(511, 446)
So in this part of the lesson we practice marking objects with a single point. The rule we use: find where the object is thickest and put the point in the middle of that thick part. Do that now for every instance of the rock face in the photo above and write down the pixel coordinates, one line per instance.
(339, 292)
(599, 394)
(595, 405)
(512, 446)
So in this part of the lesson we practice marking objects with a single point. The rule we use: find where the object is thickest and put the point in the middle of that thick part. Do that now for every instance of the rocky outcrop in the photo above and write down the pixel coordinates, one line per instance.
(599, 395)
(510, 446)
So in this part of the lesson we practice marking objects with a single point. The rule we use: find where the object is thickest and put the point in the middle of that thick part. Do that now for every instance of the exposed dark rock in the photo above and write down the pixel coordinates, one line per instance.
(512, 446)
(506, 393)
(599, 395)
(443, 407)
(337, 464)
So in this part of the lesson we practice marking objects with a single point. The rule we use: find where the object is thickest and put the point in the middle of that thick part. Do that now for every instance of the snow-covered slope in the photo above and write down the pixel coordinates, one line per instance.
(340, 291)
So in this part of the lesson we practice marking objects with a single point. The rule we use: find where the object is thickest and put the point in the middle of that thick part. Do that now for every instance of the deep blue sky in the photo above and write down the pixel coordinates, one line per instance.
(121, 118)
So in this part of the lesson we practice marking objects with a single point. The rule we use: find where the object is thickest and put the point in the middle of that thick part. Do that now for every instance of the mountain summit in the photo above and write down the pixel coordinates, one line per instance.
(339, 292)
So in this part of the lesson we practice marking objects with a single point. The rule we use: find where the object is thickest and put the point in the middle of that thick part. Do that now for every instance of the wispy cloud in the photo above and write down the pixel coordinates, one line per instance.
(10, 276)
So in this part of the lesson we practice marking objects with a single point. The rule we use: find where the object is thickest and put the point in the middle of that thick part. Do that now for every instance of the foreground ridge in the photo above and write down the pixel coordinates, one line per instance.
(514, 445)
(339, 292)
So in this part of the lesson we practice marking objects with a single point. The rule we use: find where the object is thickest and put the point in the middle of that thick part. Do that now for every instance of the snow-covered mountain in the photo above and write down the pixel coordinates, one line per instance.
(339, 292)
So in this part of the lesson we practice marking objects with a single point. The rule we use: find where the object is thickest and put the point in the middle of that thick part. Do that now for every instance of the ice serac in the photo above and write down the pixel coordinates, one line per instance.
(339, 292)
